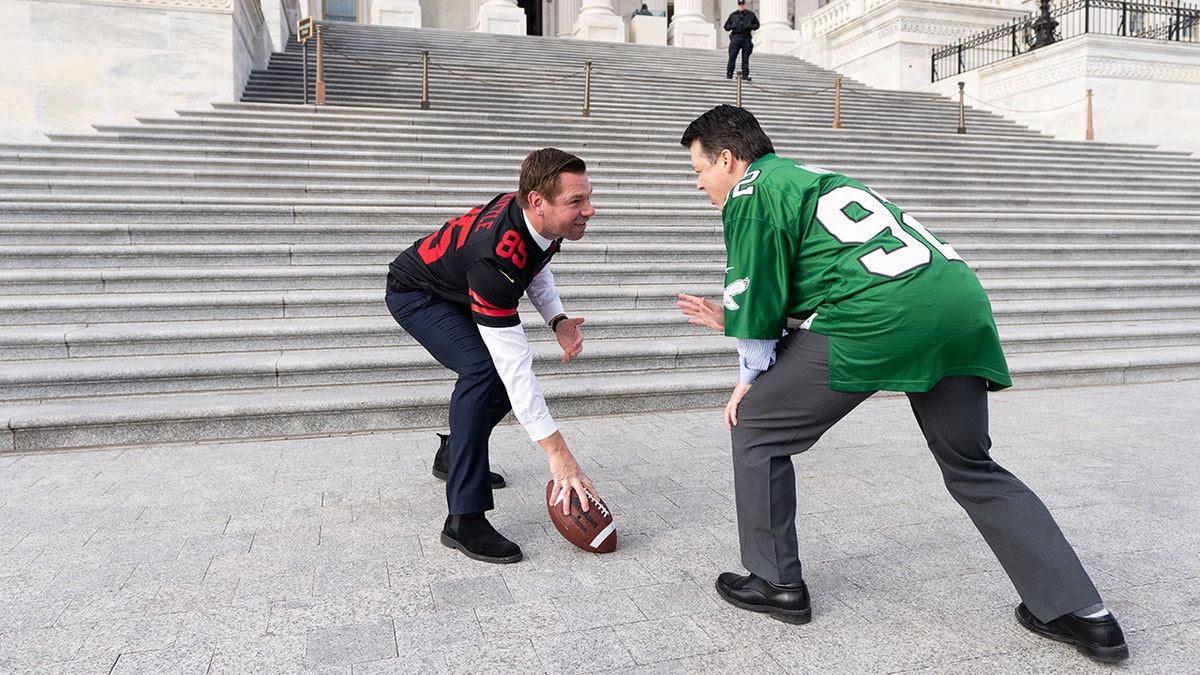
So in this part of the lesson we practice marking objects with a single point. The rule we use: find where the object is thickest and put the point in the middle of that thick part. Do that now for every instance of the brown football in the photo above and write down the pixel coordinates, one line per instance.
(592, 530)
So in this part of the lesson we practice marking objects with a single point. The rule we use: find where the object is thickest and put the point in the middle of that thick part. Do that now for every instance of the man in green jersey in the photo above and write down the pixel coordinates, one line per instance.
(834, 293)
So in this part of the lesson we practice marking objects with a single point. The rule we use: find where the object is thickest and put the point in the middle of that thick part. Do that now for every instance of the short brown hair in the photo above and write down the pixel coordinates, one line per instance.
(540, 170)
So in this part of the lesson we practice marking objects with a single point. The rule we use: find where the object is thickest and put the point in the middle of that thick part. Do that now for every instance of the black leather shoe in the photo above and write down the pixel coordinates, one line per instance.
(477, 539)
(441, 464)
(785, 603)
(1099, 638)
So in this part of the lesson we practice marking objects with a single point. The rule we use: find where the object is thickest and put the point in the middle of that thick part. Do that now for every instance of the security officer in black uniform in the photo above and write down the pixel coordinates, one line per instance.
(740, 24)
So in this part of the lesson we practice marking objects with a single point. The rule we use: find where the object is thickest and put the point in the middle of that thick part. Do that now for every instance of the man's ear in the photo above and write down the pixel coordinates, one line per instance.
(535, 201)
(727, 162)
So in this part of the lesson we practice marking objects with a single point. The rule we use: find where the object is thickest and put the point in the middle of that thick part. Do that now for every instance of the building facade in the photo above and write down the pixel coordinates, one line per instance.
(74, 63)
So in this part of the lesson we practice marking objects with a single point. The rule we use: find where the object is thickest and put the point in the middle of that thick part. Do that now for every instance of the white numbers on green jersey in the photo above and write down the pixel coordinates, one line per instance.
(744, 186)
(833, 214)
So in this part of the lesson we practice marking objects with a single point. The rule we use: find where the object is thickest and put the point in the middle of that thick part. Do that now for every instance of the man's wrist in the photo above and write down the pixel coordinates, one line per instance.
(555, 321)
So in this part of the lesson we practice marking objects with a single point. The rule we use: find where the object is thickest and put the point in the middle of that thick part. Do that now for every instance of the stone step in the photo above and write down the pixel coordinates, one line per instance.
(44, 170)
(327, 333)
(1014, 279)
(261, 305)
(306, 213)
(655, 147)
(50, 295)
(97, 339)
(396, 364)
(1115, 333)
(645, 311)
(298, 411)
(612, 190)
(79, 173)
(1092, 318)
(86, 422)
(680, 231)
(74, 206)
(604, 261)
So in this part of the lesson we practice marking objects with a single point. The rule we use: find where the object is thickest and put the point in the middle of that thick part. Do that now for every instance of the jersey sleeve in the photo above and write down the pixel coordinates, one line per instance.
(760, 257)
(495, 296)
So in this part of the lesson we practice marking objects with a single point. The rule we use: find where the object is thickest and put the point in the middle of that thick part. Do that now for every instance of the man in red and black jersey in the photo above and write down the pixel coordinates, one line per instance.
(457, 292)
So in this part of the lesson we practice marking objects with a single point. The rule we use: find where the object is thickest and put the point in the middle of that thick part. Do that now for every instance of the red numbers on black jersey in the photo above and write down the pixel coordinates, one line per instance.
(512, 246)
(456, 231)
(435, 245)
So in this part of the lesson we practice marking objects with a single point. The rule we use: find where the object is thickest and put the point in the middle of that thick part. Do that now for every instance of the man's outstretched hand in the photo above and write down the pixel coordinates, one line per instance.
(702, 312)
(570, 338)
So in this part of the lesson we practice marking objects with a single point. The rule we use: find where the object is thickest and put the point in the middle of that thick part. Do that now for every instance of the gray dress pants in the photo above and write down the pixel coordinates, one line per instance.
(791, 406)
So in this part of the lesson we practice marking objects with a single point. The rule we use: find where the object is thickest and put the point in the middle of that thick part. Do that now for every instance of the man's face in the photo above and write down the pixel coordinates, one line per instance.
(713, 177)
(567, 215)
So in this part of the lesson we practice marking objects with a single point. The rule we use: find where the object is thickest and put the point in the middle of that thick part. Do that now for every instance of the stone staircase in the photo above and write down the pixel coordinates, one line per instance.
(219, 274)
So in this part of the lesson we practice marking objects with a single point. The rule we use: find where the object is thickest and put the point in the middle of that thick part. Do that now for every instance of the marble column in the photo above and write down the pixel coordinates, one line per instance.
(689, 28)
(565, 13)
(599, 21)
(500, 16)
(776, 36)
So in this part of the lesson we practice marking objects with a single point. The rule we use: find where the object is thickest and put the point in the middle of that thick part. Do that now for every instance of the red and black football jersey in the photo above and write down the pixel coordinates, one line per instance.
(484, 259)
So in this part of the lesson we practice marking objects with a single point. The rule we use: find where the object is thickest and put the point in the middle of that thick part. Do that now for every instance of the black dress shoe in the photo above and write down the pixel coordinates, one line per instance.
(785, 603)
(441, 464)
(476, 538)
(1100, 638)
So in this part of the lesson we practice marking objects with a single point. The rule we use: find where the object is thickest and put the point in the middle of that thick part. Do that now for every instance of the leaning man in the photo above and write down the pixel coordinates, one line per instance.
(865, 299)
(456, 292)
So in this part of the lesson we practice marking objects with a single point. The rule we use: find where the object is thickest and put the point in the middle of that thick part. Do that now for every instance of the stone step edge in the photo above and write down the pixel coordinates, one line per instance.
(331, 410)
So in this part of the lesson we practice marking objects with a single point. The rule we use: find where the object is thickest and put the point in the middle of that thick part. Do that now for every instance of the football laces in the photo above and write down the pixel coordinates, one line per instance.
(597, 503)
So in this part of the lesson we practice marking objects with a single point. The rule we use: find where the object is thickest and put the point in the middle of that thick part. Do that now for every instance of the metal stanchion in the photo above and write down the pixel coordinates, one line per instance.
(587, 88)
(425, 80)
(320, 70)
(962, 122)
(303, 33)
(1091, 133)
(739, 91)
(837, 103)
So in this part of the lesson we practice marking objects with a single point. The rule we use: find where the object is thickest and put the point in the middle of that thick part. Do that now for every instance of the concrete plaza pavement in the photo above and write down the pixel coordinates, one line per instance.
(322, 554)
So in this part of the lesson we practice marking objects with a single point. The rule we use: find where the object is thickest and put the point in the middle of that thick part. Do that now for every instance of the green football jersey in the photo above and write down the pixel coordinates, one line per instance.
(901, 308)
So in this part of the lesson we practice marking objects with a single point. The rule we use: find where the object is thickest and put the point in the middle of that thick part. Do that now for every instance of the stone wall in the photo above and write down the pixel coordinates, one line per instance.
(888, 43)
(74, 63)
(1144, 91)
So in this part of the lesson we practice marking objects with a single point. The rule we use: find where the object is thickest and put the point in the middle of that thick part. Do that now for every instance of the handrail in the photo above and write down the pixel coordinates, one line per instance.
(841, 91)
(1176, 22)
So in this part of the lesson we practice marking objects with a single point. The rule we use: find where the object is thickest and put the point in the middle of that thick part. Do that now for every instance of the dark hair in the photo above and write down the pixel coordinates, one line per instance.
(540, 170)
(728, 127)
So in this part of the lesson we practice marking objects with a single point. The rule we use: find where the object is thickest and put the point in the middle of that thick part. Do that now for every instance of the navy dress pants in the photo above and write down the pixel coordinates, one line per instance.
(745, 45)
(479, 402)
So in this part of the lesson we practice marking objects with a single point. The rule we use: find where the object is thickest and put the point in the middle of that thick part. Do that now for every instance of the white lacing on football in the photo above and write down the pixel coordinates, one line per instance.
(596, 502)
